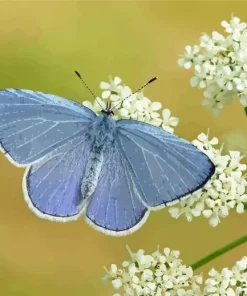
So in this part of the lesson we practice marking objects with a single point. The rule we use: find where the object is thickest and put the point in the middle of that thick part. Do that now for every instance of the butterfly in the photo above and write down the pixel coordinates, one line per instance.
(114, 172)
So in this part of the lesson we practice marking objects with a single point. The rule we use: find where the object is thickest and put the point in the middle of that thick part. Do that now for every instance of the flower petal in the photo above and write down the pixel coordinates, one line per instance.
(173, 121)
(104, 85)
(88, 104)
(117, 80)
(155, 106)
(106, 94)
(155, 115)
(166, 113)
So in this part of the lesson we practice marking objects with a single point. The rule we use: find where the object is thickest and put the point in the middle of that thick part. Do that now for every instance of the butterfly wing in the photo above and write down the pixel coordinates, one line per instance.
(32, 124)
(52, 186)
(165, 167)
(115, 207)
(51, 136)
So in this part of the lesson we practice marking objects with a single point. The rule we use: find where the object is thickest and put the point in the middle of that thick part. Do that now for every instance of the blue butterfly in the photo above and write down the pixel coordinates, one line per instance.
(77, 163)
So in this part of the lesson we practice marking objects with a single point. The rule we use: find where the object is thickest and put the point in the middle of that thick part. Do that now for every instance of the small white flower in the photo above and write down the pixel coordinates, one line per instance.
(242, 264)
(223, 192)
(189, 55)
(113, 86)
(213, 44)
(243, 100)
(169, 121)
(234, 25)
(117, 283)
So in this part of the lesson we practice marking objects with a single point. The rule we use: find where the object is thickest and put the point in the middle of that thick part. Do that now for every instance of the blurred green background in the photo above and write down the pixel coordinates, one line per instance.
(42, 43)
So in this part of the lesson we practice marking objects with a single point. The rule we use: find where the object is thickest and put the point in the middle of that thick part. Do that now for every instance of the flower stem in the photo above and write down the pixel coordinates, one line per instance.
(219, 252)
(245, 109)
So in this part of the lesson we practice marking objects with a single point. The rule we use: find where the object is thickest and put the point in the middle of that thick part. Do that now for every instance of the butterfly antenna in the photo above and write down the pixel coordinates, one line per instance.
(144, 85)
(79, 75)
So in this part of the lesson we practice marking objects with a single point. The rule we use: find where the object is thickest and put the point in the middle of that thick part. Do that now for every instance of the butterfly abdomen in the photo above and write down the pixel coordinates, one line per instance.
(92, 172)
(104, 129)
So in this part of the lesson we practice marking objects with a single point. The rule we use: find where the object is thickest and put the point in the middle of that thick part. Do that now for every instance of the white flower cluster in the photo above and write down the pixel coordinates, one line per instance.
(220, 65)
(154, 275)
(223, 192)
(228, 282)
(163, 274)
(137, 106)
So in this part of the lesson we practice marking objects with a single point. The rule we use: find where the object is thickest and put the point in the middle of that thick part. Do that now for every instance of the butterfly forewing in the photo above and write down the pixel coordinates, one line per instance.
(32, 124)
(166, 167)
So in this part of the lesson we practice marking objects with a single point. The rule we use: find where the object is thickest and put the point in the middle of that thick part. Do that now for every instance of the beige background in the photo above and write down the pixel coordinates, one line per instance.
(42, 43)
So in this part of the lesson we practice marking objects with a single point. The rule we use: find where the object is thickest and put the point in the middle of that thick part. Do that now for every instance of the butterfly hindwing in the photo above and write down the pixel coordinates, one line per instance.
(166, 167)
(115, 207)
(52, 186)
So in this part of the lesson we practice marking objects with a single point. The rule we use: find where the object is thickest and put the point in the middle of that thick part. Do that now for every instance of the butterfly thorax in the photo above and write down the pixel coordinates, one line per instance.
(103, 131)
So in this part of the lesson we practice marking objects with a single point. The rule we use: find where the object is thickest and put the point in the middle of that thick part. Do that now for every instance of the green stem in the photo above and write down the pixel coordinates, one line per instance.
(219, 252)
(245, 206)
(245, 109)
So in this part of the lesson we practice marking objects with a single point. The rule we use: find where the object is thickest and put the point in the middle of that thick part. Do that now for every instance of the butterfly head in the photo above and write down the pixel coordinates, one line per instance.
(107, 110)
